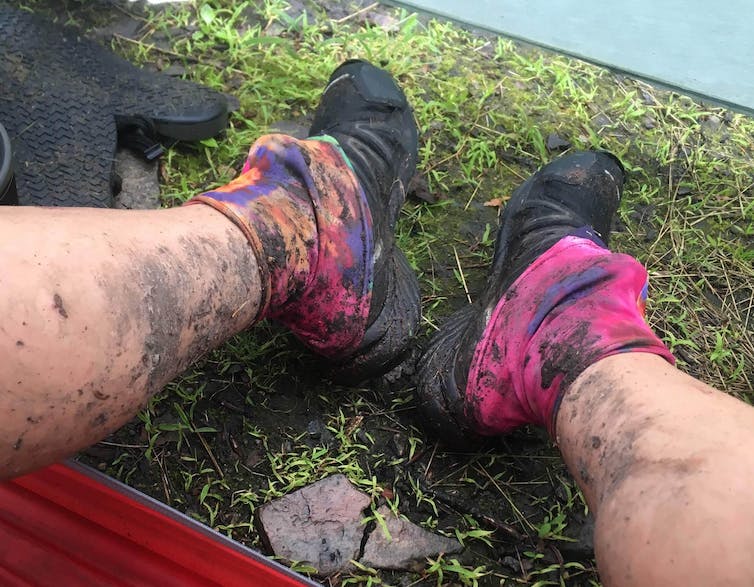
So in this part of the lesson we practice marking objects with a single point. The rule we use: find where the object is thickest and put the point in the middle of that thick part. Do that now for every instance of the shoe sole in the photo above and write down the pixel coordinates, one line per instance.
(439, 399)
(8, 196)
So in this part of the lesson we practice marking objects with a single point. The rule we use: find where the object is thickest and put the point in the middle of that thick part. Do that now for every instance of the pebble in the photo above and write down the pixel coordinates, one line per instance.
(556, 143)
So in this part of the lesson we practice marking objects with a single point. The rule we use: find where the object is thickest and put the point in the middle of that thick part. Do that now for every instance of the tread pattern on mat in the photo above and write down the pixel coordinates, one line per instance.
(59, 93)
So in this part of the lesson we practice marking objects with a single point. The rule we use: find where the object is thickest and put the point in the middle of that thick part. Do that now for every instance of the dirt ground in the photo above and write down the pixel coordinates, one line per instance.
(258, 418)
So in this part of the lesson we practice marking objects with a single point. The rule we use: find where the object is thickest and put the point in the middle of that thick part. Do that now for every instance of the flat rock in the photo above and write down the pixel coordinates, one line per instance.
(140, 188)
(319, 525)
(407, 547)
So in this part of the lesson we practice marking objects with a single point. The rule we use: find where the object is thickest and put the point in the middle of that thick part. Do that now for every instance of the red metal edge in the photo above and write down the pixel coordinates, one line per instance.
(71, 513)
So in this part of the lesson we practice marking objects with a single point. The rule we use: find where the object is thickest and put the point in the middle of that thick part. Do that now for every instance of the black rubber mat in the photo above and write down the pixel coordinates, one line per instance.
(60, 97)
(8, 195)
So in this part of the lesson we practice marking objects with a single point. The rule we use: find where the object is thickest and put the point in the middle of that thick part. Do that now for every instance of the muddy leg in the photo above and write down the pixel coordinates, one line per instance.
(101, 308)
(667, 466)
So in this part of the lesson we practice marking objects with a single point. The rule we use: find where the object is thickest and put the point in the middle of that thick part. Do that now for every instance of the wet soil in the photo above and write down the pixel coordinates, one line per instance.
(508, 486)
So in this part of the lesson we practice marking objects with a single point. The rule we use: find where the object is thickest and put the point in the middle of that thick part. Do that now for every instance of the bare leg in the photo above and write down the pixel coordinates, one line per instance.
(667, 466)
(558, 339)
(100, 309)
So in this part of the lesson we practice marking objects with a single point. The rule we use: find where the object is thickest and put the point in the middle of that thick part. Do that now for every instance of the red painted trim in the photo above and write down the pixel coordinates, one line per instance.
(70, 525)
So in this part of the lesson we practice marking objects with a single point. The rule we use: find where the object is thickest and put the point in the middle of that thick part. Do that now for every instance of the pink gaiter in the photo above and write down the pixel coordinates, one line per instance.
(575, 304)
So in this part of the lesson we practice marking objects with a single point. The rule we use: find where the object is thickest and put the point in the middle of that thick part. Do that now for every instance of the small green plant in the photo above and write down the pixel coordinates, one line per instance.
(553, 525)
(451, 570)
(363, 575)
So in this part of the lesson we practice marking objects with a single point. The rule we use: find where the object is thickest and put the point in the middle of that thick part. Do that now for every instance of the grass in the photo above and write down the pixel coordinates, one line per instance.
(255, 420)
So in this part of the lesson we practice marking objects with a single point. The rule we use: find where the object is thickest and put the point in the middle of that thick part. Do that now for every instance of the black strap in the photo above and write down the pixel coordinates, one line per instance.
(139, 135)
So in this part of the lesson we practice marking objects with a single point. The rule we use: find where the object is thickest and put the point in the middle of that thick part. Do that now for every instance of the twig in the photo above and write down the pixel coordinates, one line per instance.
(233, 407)
(357, 13)
(417, 455)
(463, 278)
(429, 323)
(431, 458)
(129, 14)
(156, 48)
(120, 445)
(165, 479)
(238, 309)
(514, 507)
(481, 47)
(211, 455)
(471, 198)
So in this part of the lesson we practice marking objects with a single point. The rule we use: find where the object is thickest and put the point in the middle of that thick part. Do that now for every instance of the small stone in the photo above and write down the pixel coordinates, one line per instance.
(319, 525)
(556, 143)
(419, 188)
(601, 121)
(253, 459)
(397, 444)
(362, 436)
(296, 9)
(274, 29)
(234, 369)
(581, 530)
(408, 546)
(648, 122)
(318, 433)
(174, 70)
(386, 22)
(126, 26)
(712, 124)
(647, 98)
(315, 428)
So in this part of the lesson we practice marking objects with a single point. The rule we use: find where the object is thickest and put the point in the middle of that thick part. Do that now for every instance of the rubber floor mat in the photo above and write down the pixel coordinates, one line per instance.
(62, 99)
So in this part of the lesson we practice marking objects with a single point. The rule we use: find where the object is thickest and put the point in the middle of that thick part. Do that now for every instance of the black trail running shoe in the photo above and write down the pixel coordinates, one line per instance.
(576, 193)
(364, 109)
